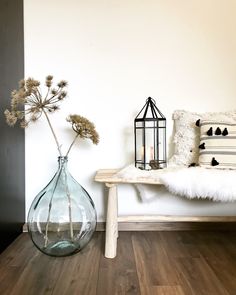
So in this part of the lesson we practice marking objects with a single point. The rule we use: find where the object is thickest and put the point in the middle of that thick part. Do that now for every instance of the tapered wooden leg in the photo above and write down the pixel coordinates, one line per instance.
(111, 222)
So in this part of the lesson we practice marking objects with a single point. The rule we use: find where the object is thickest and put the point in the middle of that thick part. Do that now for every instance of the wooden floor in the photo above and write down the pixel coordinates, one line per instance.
(163, 263)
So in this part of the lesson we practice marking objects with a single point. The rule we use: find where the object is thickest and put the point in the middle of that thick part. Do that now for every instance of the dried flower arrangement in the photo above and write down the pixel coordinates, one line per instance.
(28, 105)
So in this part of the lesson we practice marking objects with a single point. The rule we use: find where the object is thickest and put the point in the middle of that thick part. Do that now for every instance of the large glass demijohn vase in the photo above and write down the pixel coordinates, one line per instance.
(62, 217)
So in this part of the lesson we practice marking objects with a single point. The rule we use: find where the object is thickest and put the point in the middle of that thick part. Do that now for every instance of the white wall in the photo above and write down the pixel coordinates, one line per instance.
(115, 54)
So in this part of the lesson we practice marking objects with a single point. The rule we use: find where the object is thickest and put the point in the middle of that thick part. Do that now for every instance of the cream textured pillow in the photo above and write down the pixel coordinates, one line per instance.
(217, 147)
(187, 134)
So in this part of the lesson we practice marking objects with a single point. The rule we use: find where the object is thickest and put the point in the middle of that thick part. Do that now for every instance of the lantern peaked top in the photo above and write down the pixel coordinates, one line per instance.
(150, 112)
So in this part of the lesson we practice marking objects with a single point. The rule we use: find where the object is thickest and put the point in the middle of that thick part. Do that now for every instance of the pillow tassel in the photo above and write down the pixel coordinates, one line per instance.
(214, 162)
(218, 131)
(225, 132)
(198, 123)
(202, 146)
(192, 165)
(210, 132)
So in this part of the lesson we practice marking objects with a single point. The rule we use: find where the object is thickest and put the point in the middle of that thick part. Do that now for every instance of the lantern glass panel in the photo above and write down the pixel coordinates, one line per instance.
(149, 124)
(161, 146)
(139, 144)
(149, 146)
(162, 123)
(150, 140)
(139, 124)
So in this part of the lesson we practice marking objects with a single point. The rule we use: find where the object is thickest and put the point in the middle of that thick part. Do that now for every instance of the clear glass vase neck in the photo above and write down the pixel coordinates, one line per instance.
(62, 161)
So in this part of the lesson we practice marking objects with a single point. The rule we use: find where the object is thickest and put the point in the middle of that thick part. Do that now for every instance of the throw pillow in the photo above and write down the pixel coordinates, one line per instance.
(217, 147)
(186, 136)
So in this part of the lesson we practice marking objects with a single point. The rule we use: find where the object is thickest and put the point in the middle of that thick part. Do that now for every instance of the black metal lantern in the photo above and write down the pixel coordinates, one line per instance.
(150, 137)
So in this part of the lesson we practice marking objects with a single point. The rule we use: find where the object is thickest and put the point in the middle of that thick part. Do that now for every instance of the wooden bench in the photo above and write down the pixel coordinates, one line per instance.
(107, 176)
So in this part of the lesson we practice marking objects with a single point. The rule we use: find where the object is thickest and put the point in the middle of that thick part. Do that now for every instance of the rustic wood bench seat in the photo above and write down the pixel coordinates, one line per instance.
(108, 177)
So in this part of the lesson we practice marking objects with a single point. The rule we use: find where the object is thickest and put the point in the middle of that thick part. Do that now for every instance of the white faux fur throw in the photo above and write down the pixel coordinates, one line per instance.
(132, 173)
(194, 182)
(198, 182)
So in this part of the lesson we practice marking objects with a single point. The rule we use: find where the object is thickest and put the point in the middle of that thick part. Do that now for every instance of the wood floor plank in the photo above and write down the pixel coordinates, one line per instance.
(79, 273)
(119, 275)
(166, 290)
(179, 244)
(8, 277)
(198, 278)
(196, 275)
(154, 267)
(13, 262)
(217, 253)
(38, 277)
(229, 241)
(18, 253)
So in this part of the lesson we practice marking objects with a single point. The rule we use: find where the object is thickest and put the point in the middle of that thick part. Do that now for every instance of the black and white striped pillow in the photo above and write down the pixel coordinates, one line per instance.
(217, 145)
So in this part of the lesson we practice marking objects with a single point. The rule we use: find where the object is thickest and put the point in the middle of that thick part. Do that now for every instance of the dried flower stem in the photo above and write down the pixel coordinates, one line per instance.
(69, 207)
(53, 132)
(77, 135)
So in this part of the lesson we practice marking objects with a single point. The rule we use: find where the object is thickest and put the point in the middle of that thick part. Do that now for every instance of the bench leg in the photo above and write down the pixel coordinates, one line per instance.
(111, 222)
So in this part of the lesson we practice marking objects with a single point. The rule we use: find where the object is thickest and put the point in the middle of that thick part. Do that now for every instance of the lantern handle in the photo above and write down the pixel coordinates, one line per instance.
(152, 99)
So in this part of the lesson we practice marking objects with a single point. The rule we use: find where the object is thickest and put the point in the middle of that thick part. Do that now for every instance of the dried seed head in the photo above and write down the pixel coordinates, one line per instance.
(31, 83)
(54, 91)
(83, 127)
(48, 83)
(62, 84)
(24, 124)
(33, 118)
(55, 108)
(62, 95)
(49, 77)
(11, 119)
(13, 93)
(22, 83)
